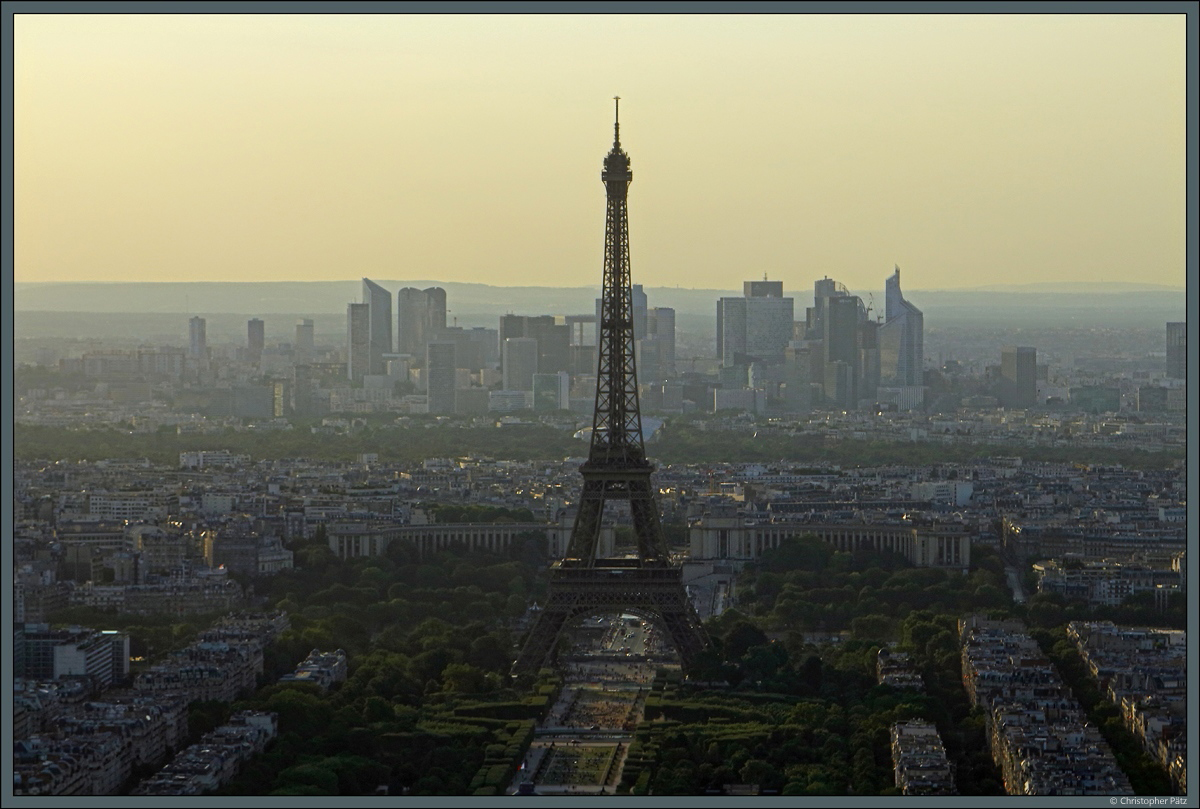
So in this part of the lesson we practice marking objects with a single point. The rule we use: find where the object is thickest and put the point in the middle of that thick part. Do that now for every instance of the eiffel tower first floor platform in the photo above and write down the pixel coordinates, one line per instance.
(612, 585)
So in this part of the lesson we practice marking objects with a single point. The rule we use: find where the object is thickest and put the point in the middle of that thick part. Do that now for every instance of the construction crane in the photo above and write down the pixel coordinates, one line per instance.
(870, 306)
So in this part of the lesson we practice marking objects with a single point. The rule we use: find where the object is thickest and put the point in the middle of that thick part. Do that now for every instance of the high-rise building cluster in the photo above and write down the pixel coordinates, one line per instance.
(844, 353)
(539, 362)
(420, 320)
(840, 356)
(399, 354)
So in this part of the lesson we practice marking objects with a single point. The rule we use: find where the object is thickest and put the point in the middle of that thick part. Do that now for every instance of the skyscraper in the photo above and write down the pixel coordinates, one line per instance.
(1177, 350)
(762, 289)
(867, 381)
(420, 317)
(901, 339)
(440, 367)
(410, 321)
(554, 340)
(731, 332)
(358, 341)
(302, 390)
(255, 339)
(639, 311)
(660, 326)
(197, 339)
(756, 327)
(845, 344)
(840, 327)
(379, 327)
(303, 350)
(470, 345)
(797, 376)
(519, 362)
(823, 289)
(1018, 372)
(648, 353)
(512, 326)
(435, 312)
(769, 317)
(551, 391)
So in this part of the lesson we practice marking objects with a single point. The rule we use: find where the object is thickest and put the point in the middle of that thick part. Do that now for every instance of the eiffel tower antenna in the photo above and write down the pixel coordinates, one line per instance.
(584, 582)
(617, 122)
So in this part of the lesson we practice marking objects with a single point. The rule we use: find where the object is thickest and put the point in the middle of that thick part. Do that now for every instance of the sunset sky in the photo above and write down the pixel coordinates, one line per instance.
(969, 149)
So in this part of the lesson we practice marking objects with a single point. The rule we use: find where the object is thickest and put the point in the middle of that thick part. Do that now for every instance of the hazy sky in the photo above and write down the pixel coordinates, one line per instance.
(967, 149)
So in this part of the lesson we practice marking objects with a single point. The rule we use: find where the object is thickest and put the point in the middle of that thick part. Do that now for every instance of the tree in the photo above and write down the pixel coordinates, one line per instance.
(741, 637)
(310, 775)
(377, 709)
(204, 717)
(301, 710)
(464, 678)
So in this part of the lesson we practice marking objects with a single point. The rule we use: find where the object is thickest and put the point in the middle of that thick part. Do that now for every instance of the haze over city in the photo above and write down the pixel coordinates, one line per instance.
(970, 149)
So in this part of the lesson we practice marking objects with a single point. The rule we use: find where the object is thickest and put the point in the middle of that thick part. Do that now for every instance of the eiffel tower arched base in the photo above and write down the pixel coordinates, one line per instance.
(656, 593)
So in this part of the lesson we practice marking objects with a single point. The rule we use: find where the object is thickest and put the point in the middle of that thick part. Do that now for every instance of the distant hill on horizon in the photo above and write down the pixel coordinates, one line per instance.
(98, 309)
(1092, 287)
(286, 297)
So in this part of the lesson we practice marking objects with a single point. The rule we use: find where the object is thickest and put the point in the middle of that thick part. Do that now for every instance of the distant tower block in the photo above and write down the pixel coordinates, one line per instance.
(303, 350)
(379, 325)
(440, 364)
(583, 584)
(197, 338)
(1177, 350)
(902, 338)
(420, 317)
(255, 339)
(358, 341)
(1018, 371)
(520, 361)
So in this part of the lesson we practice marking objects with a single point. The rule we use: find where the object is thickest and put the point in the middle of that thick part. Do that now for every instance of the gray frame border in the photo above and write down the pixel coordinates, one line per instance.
(7, 337)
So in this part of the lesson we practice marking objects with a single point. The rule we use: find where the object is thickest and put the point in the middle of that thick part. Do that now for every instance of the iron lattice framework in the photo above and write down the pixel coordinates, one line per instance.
(617, 469)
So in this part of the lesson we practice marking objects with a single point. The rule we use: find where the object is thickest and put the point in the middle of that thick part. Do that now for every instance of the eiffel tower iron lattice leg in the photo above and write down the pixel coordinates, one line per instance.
(617, 469)
(656, 594)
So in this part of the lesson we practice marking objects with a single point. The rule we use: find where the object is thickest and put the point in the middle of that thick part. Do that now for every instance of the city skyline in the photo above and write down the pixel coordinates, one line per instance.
(283, 146)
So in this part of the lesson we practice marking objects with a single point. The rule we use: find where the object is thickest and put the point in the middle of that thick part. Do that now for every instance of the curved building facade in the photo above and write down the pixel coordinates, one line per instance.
(901, 339)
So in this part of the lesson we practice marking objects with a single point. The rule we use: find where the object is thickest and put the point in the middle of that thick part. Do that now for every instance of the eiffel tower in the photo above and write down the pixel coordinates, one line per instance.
(616, 469)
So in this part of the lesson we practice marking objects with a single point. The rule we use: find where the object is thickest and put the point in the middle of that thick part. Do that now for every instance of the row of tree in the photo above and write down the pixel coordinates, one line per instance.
(677, 442)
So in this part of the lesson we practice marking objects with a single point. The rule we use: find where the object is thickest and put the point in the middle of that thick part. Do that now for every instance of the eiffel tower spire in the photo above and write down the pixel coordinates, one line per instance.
(583, 583)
